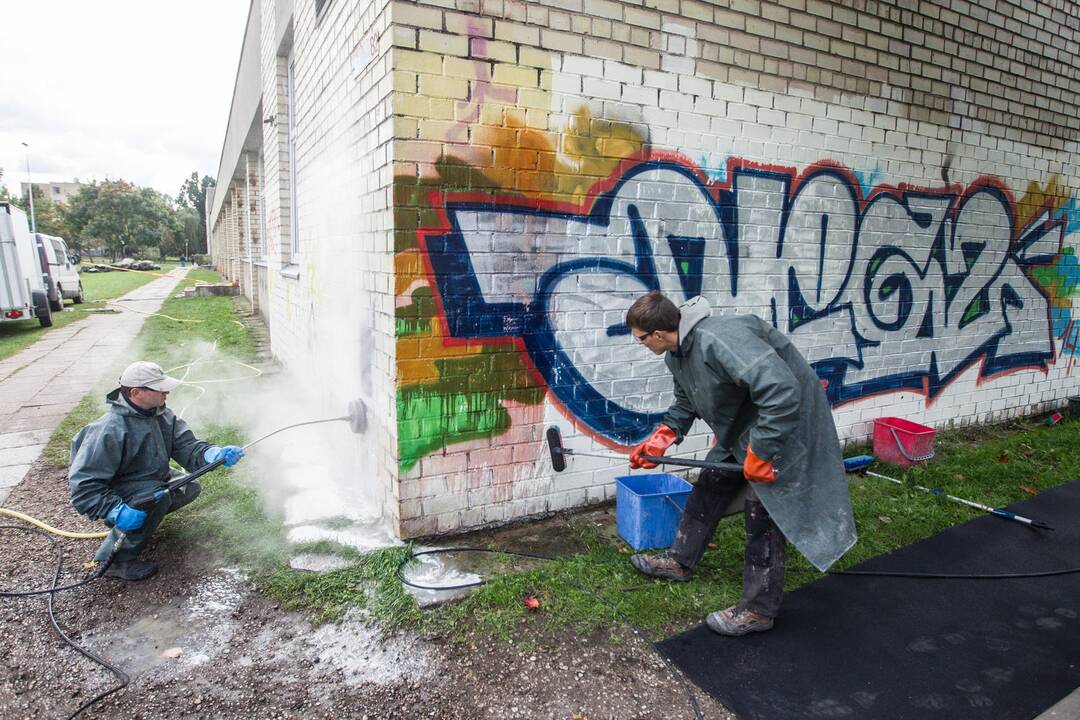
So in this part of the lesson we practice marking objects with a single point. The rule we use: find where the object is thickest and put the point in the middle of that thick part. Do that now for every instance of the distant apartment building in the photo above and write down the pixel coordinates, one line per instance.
(57, 192)
(446, 206)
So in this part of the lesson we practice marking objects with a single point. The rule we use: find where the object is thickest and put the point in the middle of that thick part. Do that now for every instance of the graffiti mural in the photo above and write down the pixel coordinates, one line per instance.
(898, 288)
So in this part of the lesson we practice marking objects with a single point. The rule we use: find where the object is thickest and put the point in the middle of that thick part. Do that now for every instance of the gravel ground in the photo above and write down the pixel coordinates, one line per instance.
(198, 641)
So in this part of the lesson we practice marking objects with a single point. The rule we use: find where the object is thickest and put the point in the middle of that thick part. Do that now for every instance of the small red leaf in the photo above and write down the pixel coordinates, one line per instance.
(531, 602)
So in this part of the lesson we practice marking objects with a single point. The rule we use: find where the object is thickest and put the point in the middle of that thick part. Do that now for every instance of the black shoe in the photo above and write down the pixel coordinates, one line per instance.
(133, 570)
(662, 566)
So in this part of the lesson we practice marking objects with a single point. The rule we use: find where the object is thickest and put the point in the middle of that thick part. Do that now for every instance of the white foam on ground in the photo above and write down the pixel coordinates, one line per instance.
(209, 614)
(314, 562)
(363, 537)
(364, 656)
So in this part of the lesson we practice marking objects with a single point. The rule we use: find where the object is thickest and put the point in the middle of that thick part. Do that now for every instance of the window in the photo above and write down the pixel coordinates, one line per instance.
(56, 189)
(247, 212)
(262, 207)
(294, 208)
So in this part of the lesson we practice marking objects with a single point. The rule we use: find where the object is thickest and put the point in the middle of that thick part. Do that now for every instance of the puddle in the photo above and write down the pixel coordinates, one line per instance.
(440, 571)
(200, 625)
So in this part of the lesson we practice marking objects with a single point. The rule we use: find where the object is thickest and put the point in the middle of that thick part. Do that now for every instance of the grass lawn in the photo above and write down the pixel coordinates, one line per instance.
(99, 287)
(593, 586)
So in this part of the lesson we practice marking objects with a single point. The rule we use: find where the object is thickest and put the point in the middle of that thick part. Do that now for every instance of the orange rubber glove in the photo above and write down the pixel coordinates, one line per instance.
(661, 439)
(757, 470)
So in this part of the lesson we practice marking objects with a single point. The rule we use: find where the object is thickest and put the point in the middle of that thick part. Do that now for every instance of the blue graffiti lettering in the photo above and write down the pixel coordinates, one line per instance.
(902, 290)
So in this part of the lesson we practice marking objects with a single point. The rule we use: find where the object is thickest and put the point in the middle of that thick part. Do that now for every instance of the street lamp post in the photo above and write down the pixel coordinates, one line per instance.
(30, 189)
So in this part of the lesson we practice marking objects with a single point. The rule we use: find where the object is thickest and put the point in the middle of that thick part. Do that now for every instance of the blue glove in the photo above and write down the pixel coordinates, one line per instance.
(231, 453)
(125, 517)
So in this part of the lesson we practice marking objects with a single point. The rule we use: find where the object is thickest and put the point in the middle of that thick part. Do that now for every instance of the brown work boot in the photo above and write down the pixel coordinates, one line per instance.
(737, 621)
(662, 566)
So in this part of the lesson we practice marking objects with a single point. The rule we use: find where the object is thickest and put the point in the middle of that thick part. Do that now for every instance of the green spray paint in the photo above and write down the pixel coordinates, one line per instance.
(466, 403)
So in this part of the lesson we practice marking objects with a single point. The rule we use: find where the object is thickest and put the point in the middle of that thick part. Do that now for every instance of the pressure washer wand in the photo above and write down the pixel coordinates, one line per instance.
(861, 463)
(357, 419)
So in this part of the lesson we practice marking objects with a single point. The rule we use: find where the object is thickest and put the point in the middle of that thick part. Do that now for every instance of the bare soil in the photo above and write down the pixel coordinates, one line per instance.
(199, 641)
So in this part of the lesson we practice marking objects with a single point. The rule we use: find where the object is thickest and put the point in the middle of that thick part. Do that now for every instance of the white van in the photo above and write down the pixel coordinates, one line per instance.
(63, 276)
(23, 289)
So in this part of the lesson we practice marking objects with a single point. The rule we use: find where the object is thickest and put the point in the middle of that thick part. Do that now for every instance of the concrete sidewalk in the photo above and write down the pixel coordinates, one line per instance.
(40, 385)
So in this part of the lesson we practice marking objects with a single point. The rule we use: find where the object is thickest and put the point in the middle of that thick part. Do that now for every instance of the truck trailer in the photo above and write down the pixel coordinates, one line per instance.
(23, 289)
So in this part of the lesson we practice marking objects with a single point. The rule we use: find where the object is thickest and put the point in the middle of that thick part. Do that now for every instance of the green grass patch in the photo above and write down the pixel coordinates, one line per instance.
(370, 584)
(110, 285)
(183, 321)
(597, 589)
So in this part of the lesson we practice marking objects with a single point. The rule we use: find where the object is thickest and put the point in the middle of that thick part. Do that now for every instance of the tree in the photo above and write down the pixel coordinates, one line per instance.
(5, 196)
(193, 195)
(191, 231)
(49, 217)
(124, 217)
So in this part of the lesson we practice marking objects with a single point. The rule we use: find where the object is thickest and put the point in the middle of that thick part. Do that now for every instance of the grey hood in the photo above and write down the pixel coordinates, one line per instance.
(691, 313)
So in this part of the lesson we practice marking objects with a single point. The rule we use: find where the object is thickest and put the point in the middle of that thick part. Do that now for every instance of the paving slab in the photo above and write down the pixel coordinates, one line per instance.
(24, 455)
(11, 476)
(21, 439)
(42, 383)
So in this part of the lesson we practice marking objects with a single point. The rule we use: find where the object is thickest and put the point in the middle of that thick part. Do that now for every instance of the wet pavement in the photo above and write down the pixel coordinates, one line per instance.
(41, 384)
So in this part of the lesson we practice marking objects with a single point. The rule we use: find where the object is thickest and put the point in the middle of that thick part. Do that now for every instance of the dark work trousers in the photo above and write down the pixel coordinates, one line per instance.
(134, 542)
(766, 548)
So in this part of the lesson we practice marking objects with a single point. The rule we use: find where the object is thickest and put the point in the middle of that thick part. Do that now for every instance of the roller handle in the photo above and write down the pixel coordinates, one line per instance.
(687, 462)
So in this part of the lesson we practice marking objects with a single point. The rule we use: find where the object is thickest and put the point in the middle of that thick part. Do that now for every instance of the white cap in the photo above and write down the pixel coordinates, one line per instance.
(143, 374)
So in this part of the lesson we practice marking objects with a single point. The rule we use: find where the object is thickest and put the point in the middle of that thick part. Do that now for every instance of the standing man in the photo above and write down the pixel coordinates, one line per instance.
(125, 453)
(768, 410)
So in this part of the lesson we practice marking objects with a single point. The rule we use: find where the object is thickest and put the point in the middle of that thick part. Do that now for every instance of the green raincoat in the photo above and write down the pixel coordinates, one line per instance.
(752, 387)
(124, 453)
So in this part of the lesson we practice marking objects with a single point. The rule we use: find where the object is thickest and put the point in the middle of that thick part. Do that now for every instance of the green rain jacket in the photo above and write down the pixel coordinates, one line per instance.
(124, 453)
(752, 387)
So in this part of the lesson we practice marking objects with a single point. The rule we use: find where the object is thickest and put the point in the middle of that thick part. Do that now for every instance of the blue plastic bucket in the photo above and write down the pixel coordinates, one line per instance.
(645, 508)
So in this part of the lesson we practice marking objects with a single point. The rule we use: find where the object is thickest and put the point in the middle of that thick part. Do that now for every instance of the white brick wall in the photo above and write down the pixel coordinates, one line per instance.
(744, 105)
(485, 185)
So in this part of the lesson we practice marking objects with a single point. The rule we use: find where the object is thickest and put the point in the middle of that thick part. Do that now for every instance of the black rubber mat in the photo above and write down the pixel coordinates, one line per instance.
(896, 648)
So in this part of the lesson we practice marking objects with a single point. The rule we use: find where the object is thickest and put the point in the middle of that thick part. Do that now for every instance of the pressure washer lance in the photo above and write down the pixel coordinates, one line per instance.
(559, 453)
(356, 417)
(861, 463)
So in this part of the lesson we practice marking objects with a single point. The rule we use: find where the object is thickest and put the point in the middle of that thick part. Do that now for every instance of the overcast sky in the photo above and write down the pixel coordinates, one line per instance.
(132, 89)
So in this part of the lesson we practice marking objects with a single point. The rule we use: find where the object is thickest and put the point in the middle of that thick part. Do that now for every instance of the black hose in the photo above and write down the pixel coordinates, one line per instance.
(641, 633)
(89, 654)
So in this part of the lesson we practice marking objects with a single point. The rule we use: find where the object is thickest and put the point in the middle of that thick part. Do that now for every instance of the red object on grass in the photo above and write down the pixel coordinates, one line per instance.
(901, 442)
(531, 602)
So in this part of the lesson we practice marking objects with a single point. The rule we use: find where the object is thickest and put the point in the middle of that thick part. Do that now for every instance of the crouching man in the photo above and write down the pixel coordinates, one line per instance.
(125, 453)
(769, 412)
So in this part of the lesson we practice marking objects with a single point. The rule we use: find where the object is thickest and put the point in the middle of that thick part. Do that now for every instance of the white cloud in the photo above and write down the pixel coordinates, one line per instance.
(130, 89)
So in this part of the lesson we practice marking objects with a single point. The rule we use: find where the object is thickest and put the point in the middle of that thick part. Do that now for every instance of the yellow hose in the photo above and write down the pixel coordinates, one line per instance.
(54, 531)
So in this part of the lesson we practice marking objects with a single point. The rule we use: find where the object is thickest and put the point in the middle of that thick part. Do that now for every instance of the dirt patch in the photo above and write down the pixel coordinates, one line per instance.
(198, 641)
